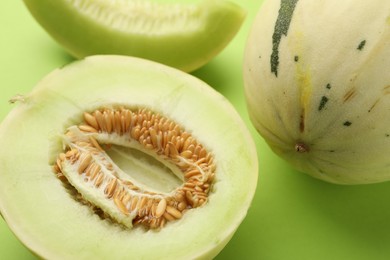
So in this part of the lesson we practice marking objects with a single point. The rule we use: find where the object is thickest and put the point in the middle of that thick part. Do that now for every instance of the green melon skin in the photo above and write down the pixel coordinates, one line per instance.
(46, 218)
(318, 87)
(185, 36)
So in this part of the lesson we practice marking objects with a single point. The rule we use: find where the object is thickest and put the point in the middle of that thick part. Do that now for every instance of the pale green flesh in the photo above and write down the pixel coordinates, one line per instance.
(145, 169)
(332, 81)
(185, 36)
(52, 224)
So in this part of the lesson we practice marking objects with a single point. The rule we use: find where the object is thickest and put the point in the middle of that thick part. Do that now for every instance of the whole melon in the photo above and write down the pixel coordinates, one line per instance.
(317, 85)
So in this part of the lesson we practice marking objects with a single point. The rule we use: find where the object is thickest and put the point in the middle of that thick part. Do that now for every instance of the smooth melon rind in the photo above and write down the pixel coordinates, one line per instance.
(331, 79)
(61, 227)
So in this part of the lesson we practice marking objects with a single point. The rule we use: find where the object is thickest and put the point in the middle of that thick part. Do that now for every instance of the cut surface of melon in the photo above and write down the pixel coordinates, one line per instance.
(50, 218)
(185, 36)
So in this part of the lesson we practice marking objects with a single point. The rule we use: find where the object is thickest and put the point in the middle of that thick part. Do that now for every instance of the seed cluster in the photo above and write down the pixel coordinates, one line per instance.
(155, 134)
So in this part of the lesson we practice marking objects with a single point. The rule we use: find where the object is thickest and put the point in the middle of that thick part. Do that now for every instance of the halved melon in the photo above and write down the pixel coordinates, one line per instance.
(185, 36)
(118, 157)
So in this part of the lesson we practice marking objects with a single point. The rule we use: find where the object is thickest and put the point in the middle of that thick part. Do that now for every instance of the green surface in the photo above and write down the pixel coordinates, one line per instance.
(293, 216)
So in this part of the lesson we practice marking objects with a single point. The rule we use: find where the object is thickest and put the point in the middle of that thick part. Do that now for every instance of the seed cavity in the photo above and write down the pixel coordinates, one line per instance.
(100, 183)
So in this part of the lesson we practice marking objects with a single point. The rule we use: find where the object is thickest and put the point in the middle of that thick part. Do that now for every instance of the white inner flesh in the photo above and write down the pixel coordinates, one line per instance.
(96, 195)
(140, 16)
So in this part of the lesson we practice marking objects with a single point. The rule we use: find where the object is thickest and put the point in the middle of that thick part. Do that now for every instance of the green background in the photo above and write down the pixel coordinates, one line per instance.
(293, 216)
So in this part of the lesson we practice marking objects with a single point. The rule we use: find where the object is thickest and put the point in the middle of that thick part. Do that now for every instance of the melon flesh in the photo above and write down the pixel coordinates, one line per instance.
(51, 223)
(318, 86)
(185, 36)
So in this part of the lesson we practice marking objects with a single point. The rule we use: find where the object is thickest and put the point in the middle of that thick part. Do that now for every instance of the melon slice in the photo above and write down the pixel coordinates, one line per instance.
(58, 133)
(185, 36)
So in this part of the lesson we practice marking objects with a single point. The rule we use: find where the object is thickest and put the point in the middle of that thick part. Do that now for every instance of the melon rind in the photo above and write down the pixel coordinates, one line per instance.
(183, 43)
(332, 88)
(53, 225)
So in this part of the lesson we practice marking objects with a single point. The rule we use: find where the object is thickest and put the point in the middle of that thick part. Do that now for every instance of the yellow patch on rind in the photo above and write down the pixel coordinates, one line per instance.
(303, 74)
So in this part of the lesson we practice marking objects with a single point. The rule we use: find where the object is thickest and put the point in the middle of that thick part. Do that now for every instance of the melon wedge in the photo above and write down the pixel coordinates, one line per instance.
(185, 36)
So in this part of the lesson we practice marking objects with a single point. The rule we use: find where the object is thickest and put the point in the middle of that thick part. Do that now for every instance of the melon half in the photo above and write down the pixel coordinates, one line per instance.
(52, 207)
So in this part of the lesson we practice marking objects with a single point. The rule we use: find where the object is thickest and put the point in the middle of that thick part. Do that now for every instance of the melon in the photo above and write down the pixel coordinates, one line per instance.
(318, 88)
(181, 35)
(119, 157)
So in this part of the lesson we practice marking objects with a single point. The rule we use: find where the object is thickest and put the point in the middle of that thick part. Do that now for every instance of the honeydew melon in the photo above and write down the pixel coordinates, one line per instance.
(185, 36)
(52, 219)
(318, 88)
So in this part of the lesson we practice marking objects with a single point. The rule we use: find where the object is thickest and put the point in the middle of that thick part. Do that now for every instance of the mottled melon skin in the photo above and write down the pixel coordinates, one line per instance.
(83, 29)
(53, 225)
(318, 87)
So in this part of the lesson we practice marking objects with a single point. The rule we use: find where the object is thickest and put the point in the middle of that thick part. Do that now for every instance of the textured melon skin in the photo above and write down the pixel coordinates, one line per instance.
(184, 47)
(316, 79)
(54, 226)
